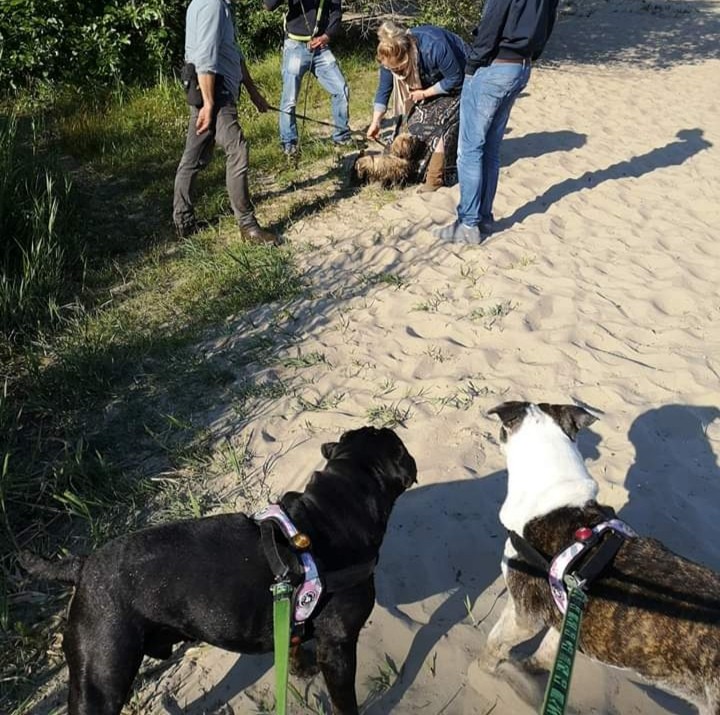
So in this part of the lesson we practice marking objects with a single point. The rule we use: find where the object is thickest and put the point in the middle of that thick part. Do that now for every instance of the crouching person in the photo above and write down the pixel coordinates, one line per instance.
(423, 68)
(213, 73)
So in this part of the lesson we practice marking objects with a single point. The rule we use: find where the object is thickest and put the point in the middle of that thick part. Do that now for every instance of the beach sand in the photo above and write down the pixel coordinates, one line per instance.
(600, 288)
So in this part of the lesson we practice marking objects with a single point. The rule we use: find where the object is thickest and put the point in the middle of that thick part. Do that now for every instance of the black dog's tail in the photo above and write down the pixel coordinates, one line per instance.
(66, 570)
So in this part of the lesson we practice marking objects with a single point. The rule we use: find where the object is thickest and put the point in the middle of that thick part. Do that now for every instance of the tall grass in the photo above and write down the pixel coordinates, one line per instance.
(101, 411)
(38, 250)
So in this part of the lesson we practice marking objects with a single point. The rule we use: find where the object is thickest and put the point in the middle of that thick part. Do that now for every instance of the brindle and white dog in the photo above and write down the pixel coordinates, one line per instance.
(651, 610)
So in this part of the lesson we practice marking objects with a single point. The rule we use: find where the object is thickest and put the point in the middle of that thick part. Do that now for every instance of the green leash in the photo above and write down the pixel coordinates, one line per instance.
(556, 695)
(281, 630)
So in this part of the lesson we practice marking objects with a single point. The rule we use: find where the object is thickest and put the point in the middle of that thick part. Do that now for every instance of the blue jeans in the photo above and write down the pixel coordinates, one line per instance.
(297, 60)
(485, 103)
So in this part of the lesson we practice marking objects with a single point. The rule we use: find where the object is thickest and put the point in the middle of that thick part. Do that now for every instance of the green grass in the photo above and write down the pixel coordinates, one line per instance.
(101, 408)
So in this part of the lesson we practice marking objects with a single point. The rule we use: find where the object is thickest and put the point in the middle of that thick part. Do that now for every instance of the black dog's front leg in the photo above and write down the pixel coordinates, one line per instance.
(338, 664)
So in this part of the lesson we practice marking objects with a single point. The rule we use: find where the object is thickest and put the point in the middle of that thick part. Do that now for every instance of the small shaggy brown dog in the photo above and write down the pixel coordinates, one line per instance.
(394, 167)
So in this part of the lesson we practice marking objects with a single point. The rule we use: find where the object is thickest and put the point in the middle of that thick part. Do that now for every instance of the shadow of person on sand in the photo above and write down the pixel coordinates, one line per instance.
(536, 144)
(674, 492)
(690, 142)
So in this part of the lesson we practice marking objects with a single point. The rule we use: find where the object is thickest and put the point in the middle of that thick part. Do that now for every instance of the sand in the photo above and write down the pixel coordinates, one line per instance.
(601, 288)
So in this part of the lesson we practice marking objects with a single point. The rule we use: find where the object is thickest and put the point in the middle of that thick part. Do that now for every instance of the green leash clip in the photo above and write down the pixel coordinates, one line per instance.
(556, 694)
(281, 591)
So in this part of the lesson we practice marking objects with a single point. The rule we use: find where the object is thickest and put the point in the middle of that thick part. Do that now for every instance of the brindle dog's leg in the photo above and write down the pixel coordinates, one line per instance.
(511, 629)
(544, 656)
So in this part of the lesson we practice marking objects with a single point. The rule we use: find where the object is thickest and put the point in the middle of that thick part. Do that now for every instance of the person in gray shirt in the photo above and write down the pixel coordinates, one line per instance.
(211, 48)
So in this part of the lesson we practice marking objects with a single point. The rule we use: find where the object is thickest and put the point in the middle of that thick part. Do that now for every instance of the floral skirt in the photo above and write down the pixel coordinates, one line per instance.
(432, 120)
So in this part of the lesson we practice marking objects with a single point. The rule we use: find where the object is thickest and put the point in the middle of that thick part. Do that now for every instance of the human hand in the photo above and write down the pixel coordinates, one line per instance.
(417, 95)
(319, 42)
(204, 119)
(261, 104)
(373, 130)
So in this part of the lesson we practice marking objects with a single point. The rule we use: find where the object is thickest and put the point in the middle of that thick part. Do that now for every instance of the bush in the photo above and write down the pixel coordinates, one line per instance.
(106, 41)
(459, 16)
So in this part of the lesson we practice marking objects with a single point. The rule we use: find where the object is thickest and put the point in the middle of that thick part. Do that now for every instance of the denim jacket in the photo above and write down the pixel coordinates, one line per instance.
(441, 55)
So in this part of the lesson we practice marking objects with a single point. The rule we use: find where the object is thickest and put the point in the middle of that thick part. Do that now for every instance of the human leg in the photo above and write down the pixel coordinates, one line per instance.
(495, 133)
(485, 95)
(230, 137)
(196, 156)
(331, 78)
(295, 63)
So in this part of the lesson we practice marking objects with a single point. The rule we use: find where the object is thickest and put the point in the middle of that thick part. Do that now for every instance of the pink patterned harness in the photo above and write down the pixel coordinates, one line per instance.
(565, 558)
(307, 595)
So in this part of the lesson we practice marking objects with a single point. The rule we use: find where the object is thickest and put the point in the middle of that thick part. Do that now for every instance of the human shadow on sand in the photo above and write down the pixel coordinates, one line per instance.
(535, 144)
(690, 142)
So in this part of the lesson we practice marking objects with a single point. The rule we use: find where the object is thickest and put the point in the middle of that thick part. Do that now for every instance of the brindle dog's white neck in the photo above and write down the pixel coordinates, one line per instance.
(545, 471)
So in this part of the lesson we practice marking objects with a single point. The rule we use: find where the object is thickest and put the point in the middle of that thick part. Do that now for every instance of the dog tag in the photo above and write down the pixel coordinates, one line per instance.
(583, 533)
(301, 541)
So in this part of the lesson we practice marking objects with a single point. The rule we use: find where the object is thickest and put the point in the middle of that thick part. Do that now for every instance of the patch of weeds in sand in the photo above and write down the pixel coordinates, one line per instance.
(437, 354)
(251, 397)
(387, 386)
(470, 272)
(463, 398)
(302, 360)
(382, 681)
(524, 261)
(310, 702)
(432, 664)
(493, 315)
(326, 402)
(357, 367)
(388, 415)
(432, 304)
(383, 278)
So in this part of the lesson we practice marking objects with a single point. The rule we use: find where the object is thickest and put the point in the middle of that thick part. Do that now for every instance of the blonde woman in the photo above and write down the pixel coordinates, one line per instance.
(423, 68)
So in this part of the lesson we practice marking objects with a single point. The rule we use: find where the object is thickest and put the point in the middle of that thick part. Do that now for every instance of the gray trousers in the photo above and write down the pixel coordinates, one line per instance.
(227, 132)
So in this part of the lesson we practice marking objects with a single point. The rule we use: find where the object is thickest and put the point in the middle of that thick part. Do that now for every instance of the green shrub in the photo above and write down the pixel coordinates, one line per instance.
(459, 16)
(106, 41)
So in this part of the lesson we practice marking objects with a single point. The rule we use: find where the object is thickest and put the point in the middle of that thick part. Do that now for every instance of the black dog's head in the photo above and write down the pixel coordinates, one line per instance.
(379, 449)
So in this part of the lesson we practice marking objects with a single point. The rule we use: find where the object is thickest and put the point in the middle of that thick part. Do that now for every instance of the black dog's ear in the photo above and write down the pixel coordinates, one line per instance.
(570, 418)
(327, 449)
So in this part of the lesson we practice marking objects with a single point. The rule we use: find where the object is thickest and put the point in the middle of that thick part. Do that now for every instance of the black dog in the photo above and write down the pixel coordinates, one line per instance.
(209, 580)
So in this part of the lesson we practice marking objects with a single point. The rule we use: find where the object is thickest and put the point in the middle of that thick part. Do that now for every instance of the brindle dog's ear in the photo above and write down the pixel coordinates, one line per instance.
(570, 418)
(327, 449)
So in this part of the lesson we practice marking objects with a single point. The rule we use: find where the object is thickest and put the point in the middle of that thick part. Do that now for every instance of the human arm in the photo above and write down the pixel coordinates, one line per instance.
(206, 82)
(487, 34)
(254, 93)
(382, 96)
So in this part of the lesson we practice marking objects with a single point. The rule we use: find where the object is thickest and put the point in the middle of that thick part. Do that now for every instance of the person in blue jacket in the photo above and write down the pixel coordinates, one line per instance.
(423, 68)
(510, 37)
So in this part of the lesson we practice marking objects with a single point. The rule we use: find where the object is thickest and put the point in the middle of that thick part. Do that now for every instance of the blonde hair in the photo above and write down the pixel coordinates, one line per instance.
(394, 43)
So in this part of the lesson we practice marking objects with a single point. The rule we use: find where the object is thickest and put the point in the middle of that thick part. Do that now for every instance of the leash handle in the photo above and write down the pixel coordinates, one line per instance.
(556, 694)
(281, 592)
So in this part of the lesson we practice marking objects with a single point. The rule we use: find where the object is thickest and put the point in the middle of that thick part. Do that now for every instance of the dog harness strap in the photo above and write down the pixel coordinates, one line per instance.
(564, 560)
(307, 596)
(279, 568)
(529, 552)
